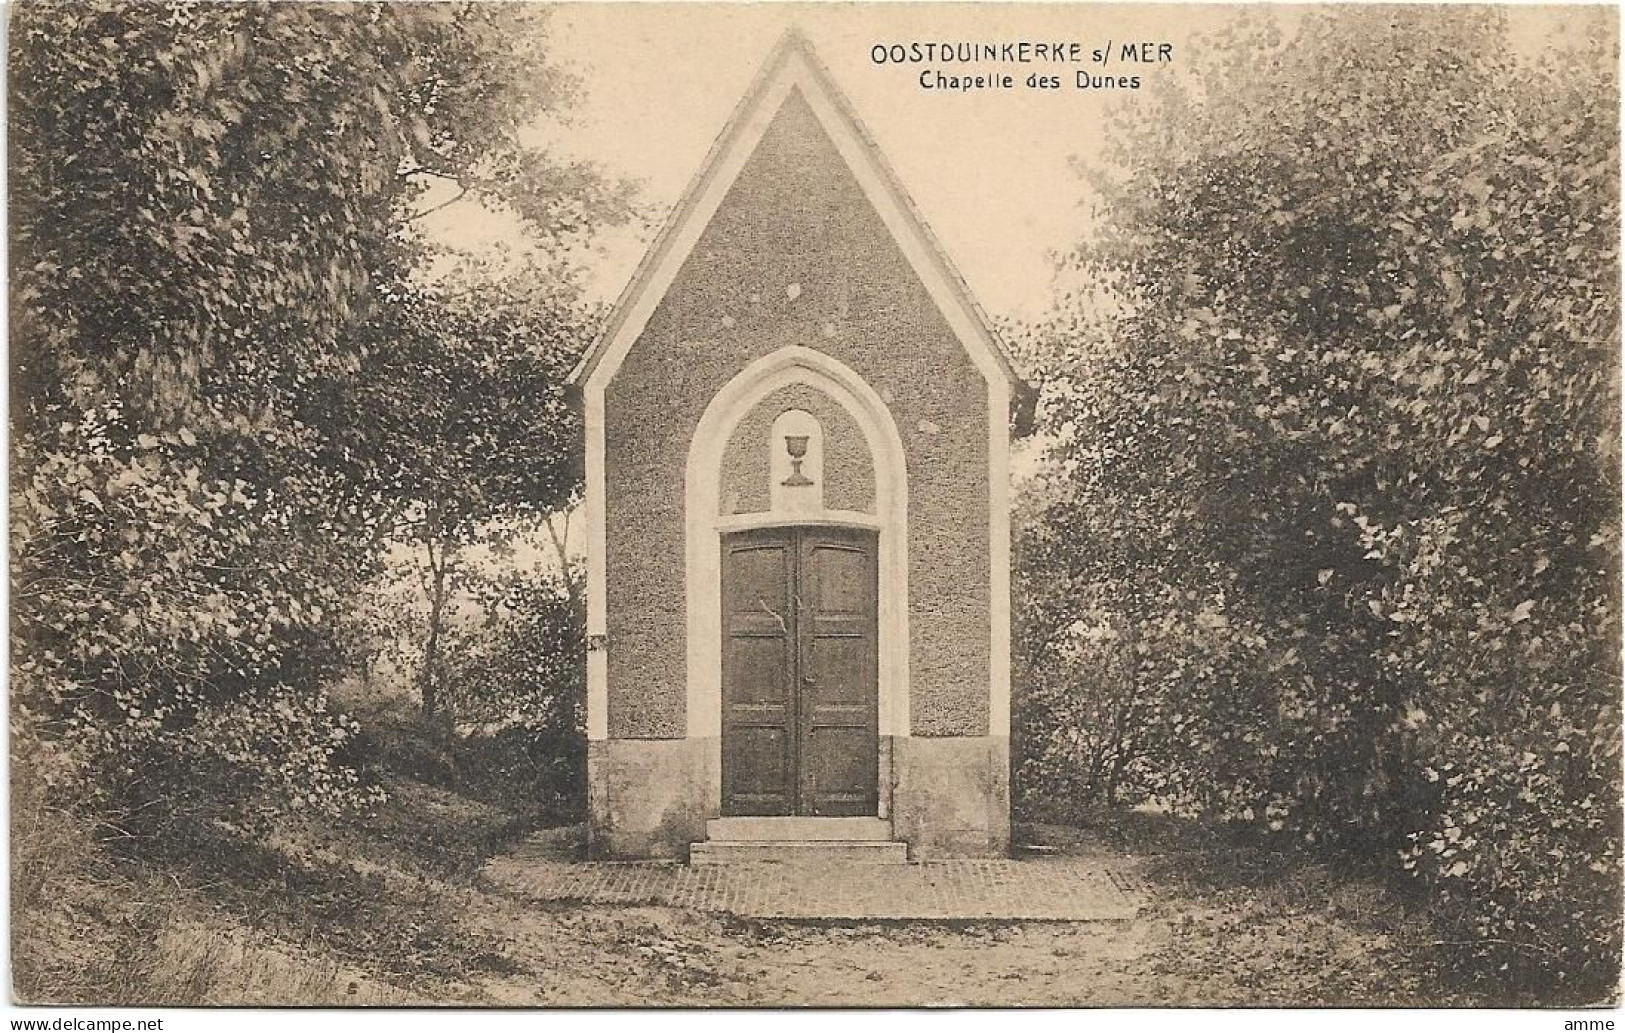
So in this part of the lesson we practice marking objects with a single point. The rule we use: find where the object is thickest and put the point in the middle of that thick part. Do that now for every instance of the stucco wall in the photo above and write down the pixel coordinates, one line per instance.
(796, 255)
(849, 475)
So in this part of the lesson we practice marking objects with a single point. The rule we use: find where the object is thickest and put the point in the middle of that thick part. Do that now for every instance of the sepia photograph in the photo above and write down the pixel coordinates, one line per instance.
(813, 505)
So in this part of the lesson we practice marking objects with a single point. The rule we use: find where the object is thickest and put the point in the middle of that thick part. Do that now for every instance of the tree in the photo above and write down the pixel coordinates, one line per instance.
(460, 407)
(237, 176)
(210, 204)
(1335, 424)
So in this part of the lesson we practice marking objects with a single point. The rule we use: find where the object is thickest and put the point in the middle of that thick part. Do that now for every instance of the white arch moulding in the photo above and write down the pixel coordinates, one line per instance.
(704, 526)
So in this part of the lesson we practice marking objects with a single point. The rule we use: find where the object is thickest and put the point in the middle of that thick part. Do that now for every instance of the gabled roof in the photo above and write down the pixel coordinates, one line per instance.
(792, 66)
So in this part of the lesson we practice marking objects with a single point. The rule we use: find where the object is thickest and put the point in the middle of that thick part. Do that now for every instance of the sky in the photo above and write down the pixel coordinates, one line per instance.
(991, 171)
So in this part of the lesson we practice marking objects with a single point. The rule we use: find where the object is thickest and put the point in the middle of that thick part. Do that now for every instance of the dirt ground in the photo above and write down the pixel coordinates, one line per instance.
(1242, 937)
(598, 955)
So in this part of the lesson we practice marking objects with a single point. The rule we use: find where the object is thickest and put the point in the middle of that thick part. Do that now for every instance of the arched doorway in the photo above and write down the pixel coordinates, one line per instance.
(798, 614)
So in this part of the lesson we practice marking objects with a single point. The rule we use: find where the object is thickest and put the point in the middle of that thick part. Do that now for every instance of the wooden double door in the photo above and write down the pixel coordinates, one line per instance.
(800, 687)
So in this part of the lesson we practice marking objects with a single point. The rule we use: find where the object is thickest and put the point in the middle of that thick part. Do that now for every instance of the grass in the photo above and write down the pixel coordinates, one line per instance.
(90, 927)
(361, 911)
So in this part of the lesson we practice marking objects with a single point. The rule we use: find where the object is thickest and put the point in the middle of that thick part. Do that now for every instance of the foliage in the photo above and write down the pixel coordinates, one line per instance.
(510, 722)
(1077, 723)
(459, 414)
(459, 399)
(520, 676)
(1333, 417)
(166, 642)
(213, 188)
(212, 205)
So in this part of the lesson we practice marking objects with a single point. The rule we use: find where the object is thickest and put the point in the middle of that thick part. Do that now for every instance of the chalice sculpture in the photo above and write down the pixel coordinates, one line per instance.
(796, 445)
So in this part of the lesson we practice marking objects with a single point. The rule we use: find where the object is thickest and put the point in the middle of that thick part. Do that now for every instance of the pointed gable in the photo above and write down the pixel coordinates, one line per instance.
(794, 104)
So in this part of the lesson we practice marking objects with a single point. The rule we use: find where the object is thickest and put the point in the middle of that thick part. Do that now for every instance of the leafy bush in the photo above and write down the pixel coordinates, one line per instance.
(1334, 427)
(460, 409)
(167, 648)
(518, 677)
(1519, 846)
(1077, 724)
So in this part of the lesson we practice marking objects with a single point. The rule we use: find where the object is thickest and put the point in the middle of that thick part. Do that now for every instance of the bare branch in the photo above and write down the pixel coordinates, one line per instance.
(443, 204)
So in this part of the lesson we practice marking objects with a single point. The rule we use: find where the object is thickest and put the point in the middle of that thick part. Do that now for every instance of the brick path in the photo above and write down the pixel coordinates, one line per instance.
(1049, 889)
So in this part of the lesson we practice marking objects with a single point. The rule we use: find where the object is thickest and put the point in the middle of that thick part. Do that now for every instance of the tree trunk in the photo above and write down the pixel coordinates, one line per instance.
(435, 583)
(1123, 735)
(561, 540)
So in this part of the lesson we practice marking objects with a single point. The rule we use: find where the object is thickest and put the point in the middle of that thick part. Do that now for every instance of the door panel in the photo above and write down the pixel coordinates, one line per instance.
(842, 665)
(800, 689)
(758, 668)
(842, 579)
(839, 698)
(760, 769)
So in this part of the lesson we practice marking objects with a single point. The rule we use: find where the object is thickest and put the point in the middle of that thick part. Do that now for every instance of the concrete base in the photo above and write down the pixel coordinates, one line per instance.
(649, 798)
(652, 798)
(951, 796)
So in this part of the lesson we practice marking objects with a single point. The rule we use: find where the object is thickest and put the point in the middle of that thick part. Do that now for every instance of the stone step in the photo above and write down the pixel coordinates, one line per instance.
(792, 829)
(801, 851)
